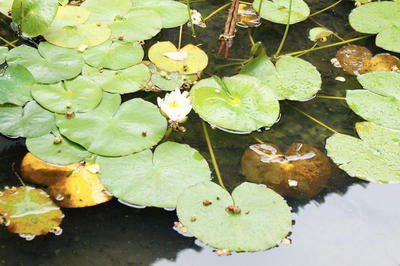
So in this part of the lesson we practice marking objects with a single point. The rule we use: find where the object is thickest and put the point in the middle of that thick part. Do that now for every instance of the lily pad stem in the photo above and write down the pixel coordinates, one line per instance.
(180, 37)
(216, 11)
(169, 131)
(257, 139)
(210, 149)
(331, 97)
(286, 29)
(190, 18)
(16, 173)
(250, 37)
(7, 43)
(312, 47)
(326, 8)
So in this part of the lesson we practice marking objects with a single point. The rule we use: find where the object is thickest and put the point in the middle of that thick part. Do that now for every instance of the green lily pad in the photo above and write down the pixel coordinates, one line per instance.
(380, 101)
(114, 130)
(154, 179)
(168, 81)
(317, 33)
(379, 17)
(172, 13)
(291, 78)
(34, 16)
(263, 221)
(114, 55)
(375, 157)
(29, 121)
(48, 63)
(77, 95)
(105, 11)
(123, 81)
(3, 54)
(240, 103)
(278, 10)
(137, 25)
(29, 210)
(48, 148)
(70, 15)
(15, 85)
(5, 6)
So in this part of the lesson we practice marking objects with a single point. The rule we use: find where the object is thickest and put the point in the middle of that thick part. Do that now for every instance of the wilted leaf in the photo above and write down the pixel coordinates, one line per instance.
(354, 58)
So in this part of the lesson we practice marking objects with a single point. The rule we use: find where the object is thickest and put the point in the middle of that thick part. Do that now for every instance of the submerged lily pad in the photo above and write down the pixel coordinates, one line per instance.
(137, 25)
(172, 13)
(168, 81)
(195, 59)
(240, 103)
(114, 55)
(154, 180)
(114, 130)
(56, 149)
(123, 81)
(380, 101)
(380, 18)
(291, 78)
(375, 157)
(278, 10)
(261, 222)
(29, 121)
(77, 95)
(3, 54)
(15, 85)
(105, 11)
(34, 16)
(48, 63)
(28, 210)
(354, 58)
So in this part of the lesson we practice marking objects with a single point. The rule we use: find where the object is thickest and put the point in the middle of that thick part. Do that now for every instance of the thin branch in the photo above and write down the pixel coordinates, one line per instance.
(313, 119)
(326, 8)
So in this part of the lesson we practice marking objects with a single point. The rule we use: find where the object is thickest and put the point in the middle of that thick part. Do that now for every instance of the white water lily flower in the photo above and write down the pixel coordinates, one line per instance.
(175, 105)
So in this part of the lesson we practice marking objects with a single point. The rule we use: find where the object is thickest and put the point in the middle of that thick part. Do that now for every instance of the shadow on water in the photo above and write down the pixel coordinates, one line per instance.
(350, 223)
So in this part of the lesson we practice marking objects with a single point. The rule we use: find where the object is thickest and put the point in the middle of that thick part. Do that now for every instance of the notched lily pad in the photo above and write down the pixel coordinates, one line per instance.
(161, 55)
(240, 103)
(114, 130)
(374, 157)
(48, 63)
(253, 218)
(15, 85)
(154, 179)
(278, 10)
(27, 210)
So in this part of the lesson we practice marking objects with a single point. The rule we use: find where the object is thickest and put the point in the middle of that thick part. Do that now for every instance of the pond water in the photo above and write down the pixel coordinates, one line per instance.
(350, 223)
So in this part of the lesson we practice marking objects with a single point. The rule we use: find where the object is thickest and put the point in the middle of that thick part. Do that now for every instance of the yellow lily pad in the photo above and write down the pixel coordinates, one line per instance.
(162, 55)
(70, 15)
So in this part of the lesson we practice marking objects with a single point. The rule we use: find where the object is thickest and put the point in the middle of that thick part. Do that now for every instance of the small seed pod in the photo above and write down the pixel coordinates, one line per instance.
(144, 133)
(207, 202)
(186, 85)
(141, 42)
(56, 230)
(163, 73)
(185, 67)
(121, 37)
(193, 218)
(323, 39)
(9, 13)
(69, 114)
(57, 140)
(98, 24)
(68, 105)
(224, 251)
(150, 84)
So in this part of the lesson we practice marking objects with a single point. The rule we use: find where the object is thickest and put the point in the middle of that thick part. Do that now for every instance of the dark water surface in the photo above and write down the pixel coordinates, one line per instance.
(350, 223)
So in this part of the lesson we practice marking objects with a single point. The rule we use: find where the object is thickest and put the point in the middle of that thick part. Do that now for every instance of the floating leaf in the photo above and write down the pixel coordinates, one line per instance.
(38, 172)
(114, 55)
(70, 15)
(380, 18)
(15, 85)
(291, 78)
(55, 149)
(137, 25)
(77, 95)
(353, 58)
(127, 80)
(380, 101)
(154, 180)
(196, 60)
(105, 11)
(81, 189)
(278, 10)
(247, 17)
(5, 7)
(301, 173)
(28, 121)
(48, 63)
(28, 210)
(3, 54)
(172, 13)
(240, 103)
(114, 130)
(375, 157)
(34, 16)
(263, 217)
(318, 33)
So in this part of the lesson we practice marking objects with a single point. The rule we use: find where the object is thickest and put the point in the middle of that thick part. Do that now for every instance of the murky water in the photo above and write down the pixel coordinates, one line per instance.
(349, 223)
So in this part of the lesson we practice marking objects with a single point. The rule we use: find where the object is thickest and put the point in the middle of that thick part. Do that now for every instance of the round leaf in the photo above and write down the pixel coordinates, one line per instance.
(154, 180)
(239, 103)
(264, 218)
(114, 130)
(28, 210)
(28, 121)
(278, 10)
(389, 39)
(3, 54)
(375, 157)
(34, 16)
(77, 95)
(196, 59)
(127, 80)
(114, 55)
(105, 11)
(48, 63)
(15, 85)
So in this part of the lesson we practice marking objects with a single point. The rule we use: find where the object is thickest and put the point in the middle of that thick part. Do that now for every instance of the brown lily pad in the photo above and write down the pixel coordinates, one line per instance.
(382, 62)
(247, 17)
(352, 58)
(302, 172)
